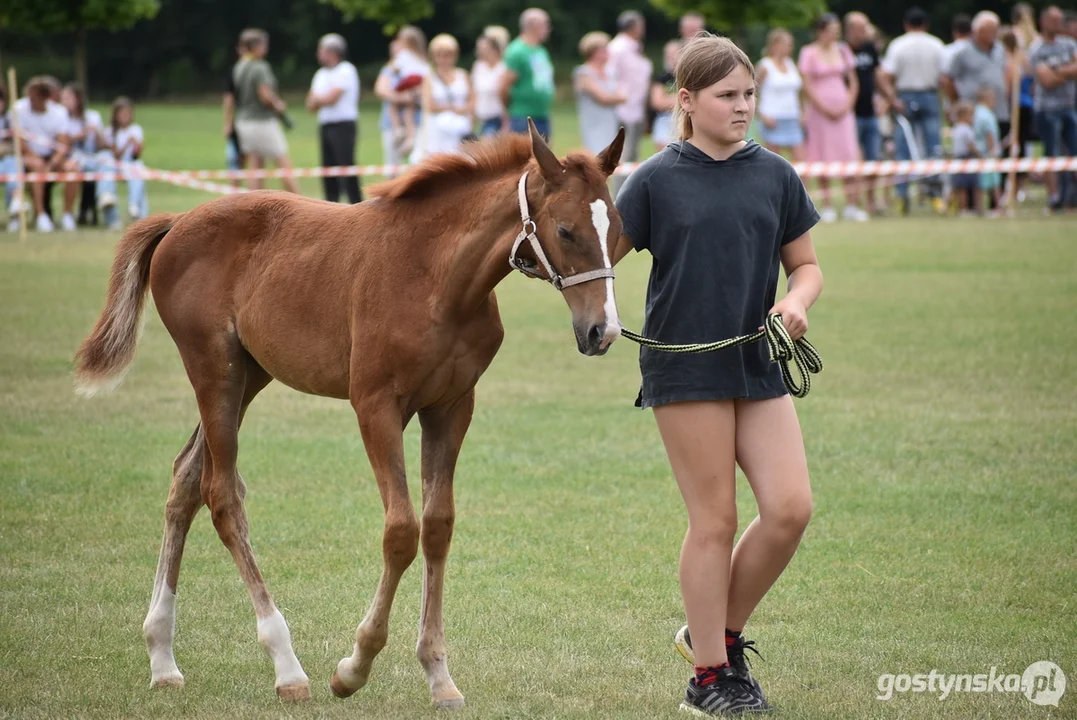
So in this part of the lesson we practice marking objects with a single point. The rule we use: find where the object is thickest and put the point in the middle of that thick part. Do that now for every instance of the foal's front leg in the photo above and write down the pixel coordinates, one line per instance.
(443, 434)
(380, 424)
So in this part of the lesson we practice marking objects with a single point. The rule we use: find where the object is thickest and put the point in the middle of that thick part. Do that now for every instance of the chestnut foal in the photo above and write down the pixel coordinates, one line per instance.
(389, 304)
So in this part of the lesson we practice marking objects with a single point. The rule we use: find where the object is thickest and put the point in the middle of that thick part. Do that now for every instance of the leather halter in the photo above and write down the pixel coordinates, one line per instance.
(552, 276)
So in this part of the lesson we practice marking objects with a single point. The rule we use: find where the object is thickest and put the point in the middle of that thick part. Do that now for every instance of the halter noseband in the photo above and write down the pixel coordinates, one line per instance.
(528, 233)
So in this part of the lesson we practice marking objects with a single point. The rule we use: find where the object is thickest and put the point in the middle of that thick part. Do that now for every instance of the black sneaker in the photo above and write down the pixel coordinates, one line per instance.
(735, 653)
(728, 695)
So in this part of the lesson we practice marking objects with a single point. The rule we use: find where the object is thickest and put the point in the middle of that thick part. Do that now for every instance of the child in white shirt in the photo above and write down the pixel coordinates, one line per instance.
(124, 141)
(410, 70)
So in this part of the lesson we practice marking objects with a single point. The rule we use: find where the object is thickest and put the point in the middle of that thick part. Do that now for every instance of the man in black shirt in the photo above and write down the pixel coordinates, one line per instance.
(871, 79)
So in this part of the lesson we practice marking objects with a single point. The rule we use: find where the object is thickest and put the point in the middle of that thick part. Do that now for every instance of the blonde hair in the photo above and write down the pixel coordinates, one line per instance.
(444, 41)
(774, 36)
(964, 110)
(500, 35)
(705, 60)
(413, 38)
(592, 42)
(1024, 24)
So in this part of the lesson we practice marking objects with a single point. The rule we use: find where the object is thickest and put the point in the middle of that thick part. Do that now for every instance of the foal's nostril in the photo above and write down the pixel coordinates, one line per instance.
(595, 334)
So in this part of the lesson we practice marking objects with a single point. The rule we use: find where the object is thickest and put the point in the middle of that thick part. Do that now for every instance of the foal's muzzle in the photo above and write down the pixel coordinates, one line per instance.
(595, 339)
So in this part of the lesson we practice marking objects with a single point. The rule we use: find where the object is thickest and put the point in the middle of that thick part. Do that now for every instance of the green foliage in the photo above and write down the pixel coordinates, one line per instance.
(735, 14)
(48, 16)
(392, 14)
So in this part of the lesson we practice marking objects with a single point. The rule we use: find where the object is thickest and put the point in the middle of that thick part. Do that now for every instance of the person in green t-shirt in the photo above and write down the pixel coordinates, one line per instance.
(259, 110)
(527, 86)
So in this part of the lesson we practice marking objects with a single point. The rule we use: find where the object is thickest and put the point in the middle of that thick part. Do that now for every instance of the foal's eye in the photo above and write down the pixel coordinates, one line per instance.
(565, 234)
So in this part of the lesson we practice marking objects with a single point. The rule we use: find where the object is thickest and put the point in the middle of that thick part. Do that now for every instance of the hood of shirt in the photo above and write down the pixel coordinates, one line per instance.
(686, 151)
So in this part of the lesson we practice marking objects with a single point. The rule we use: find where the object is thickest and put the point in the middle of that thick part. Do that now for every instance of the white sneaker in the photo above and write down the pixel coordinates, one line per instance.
(67, 222)
(854, 214)
(106, 200)
(13, 225)
(134, 211)
(828, 215)
(16, 206)
(44, 224)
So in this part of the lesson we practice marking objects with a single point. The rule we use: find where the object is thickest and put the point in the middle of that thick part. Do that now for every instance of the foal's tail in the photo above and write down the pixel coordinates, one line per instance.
(104, 356)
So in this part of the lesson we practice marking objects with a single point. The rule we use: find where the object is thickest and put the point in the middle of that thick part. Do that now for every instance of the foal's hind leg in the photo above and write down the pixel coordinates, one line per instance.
(221, 374)
(380, 424)
(184, 499)
(443, 434)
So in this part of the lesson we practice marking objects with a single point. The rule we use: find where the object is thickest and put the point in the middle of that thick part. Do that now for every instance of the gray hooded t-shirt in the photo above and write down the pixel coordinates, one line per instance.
(714, 229)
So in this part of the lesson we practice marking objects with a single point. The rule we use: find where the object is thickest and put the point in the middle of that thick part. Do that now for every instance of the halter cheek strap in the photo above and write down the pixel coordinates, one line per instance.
(528, 233)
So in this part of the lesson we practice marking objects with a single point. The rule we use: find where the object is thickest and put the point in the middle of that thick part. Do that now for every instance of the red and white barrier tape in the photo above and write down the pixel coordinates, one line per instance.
(815, 169)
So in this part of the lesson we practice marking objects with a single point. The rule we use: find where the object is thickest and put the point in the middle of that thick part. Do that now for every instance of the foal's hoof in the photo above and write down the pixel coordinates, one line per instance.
(168, 681)
(455, 702)
(339, 688)
(345, 682)
(296, 692)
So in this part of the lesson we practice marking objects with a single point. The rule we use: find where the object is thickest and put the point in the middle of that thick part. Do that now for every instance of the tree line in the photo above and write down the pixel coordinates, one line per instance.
(155, 49)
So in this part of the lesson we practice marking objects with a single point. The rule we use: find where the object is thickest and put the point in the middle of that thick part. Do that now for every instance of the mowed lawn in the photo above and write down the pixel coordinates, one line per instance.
(942, 441)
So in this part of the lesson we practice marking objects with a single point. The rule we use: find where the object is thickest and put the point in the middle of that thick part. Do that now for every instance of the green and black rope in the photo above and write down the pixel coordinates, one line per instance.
(782, 350)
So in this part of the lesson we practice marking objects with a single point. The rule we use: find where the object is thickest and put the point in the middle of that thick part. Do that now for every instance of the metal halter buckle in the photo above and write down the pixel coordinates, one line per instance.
(528, 233)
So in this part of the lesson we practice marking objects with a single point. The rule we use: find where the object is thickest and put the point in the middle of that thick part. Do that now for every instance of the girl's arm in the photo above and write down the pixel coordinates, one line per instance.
(805, 284)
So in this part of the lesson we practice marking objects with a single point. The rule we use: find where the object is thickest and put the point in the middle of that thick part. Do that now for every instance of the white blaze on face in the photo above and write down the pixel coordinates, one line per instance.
(601, 220)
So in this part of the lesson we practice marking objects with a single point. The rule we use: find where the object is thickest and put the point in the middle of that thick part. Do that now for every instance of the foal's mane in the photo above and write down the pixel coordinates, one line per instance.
(482, 160)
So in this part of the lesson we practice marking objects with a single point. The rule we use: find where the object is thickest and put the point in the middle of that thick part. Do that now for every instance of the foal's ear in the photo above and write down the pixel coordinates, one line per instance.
(609, 158)
(551, 168)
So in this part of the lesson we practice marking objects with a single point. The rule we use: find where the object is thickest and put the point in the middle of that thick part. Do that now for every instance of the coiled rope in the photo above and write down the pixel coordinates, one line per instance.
(782, 348)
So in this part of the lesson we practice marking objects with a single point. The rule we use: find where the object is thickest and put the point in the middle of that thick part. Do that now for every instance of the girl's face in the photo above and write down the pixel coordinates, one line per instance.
(601, 56)
(723, 112)
(485, 50)
(123, 116)
(68, 100)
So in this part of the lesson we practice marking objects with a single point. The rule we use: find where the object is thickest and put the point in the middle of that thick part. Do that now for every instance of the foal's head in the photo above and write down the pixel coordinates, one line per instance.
(577, 226)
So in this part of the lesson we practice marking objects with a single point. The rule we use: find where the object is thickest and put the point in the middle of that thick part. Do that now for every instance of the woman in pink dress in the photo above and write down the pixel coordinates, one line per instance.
(830, 85)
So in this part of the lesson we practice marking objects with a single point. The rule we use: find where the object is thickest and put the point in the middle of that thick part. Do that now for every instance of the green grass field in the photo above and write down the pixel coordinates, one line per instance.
(942, 441)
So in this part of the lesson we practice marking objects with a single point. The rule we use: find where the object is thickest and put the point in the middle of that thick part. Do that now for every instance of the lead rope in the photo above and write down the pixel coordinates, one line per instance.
(782, 350)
